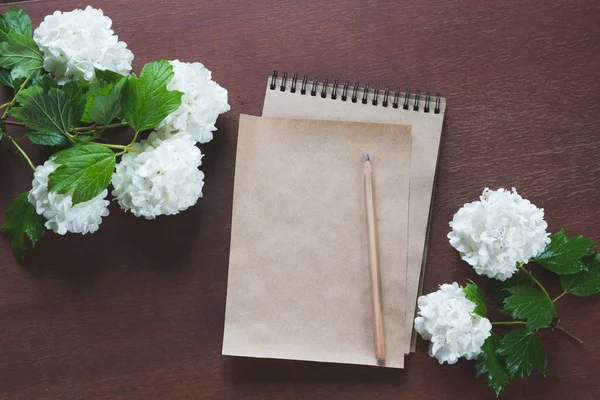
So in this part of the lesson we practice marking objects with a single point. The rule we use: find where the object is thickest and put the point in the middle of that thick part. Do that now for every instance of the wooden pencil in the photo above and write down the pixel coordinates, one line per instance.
(374, 270)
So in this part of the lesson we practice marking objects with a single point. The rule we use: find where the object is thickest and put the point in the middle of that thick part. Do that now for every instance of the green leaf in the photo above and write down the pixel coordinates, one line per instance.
(22, 220)
(5, 78)
(584, 283)
(17, 21)
(21, 55)
(77, 93)
(48, 113)
(3, 29)
(474, 293)
(531, 304)
(97, 88)
(523, 350)
(96, 136)
(108, 75)
(84, 171)
(493, 363)
(2, 128)
(45, 81)
(17, 82)
(146, 100)
(498, 289)
(104, 109)
(564, 256)
(52, 139)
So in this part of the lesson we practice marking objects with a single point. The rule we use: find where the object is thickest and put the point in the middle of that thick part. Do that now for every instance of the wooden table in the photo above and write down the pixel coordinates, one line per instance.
(136, 310)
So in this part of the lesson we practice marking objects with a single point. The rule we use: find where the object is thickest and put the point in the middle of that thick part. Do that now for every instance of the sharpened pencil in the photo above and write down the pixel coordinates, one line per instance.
(374, 270)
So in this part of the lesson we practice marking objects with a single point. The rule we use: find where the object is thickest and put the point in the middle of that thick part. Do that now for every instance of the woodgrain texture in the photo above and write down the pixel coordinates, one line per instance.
(136, 311)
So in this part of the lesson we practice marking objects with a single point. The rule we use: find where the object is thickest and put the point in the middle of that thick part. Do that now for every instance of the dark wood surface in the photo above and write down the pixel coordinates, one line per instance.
(136, 311)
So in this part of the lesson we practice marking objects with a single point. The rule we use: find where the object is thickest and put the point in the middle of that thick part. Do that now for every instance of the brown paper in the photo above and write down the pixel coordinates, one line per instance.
(426, 131)
(298, 285)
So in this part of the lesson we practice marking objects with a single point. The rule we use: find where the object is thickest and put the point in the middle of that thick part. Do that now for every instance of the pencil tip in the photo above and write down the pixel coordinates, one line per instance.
(381, 362)
(367, 157)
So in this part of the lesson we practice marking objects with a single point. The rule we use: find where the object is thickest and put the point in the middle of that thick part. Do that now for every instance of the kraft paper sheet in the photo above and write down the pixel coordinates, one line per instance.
(298, 285)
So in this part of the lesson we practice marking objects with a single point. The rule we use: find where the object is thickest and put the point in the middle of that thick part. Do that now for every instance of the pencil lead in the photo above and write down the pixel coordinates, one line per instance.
(367, 158)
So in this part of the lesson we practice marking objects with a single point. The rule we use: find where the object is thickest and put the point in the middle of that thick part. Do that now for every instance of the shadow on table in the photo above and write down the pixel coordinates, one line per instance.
(123, 245)
(253, 370)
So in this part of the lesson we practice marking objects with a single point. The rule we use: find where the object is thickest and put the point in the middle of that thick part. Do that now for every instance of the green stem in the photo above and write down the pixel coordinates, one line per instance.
(21, 138)
(522, 268)
(4, 105)
(508, 322)
(10, 104)
(117, 125)
(6, 110)
(84, 128)
(70, 137)
(22, 86)
(14, 142)
(14, 99)
(96, 127)
(118, 146)
(135, 135)
(113, 146)
(128, 147)
(559, 296)
(566, 332)
(17, 123)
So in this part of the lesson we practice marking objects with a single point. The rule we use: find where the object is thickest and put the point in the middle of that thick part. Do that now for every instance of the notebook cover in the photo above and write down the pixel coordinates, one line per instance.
(426, 131)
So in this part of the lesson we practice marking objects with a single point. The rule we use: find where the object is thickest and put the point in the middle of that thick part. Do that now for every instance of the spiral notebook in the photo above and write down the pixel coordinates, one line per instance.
(299, 98)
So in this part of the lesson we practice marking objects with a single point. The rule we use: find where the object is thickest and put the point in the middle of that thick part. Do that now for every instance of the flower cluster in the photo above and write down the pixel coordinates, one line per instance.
(446, 318)
(497, 232)
(76, 42)
(202, 102)
(497, 235)
(159, 175)
(163, 179)
(58, 209)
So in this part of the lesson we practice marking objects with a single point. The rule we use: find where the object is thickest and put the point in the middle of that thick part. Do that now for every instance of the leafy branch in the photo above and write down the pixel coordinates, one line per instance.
(528, 302)
(71, 119)
(47, 109)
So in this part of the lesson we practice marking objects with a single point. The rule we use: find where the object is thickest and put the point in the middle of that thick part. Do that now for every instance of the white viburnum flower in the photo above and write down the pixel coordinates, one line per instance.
(446, 319)
(497, 232)
(163, 179)
(58, 209)
(202, 102)
(74, 43)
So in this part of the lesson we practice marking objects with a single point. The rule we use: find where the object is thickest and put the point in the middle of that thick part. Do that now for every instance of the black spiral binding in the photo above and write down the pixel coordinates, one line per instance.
(314, 89)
